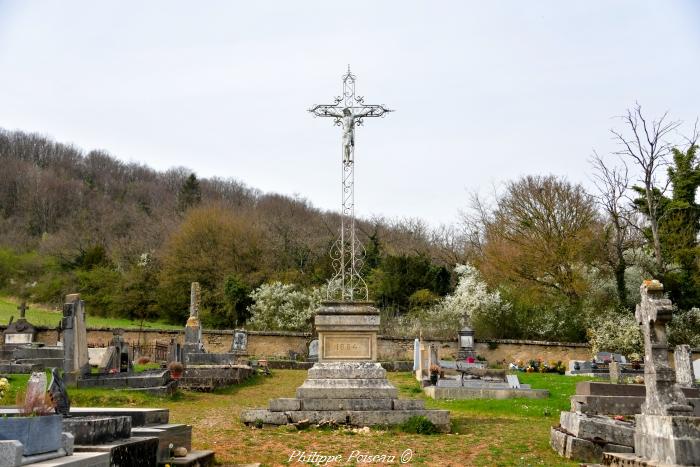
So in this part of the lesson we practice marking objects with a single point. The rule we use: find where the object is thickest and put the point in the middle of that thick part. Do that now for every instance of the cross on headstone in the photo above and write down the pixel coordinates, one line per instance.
(22, 308)
(348, 111)
(663, 395)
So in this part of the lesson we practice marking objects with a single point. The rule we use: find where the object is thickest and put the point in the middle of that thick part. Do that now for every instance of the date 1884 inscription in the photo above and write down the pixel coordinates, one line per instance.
(347, 347)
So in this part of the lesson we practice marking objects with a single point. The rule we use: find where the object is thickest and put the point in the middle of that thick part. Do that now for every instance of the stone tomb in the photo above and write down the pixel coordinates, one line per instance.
(347, 385)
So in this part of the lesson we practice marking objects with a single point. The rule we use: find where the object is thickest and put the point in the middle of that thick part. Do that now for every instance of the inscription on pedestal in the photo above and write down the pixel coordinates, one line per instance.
(337, 347)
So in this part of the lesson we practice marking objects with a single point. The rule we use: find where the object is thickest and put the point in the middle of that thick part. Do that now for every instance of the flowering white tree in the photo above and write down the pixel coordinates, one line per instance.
(616, 332)
(279, 306)
(470, 298)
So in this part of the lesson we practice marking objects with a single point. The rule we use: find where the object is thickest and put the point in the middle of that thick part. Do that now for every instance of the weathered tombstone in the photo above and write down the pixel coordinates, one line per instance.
(615, 372)
(685, 376)
(666, 431)
(696, 369)
(313, 350)
(193, 328)
(75, 350)
(19, 332)
(240, 342)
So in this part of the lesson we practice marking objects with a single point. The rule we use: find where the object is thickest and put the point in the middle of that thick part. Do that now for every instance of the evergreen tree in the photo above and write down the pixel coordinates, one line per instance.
(190, 193)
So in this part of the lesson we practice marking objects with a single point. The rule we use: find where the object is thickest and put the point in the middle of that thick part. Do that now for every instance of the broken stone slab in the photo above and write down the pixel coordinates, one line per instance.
(668, 439)
(597, 428)
(347, 370)
(582, 450)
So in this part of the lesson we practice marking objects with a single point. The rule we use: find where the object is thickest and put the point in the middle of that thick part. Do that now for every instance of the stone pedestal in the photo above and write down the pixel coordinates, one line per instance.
(347, 331)
(347, 385)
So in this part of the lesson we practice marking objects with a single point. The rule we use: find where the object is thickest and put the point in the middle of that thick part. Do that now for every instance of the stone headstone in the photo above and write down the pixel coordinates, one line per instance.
(696, 369)
(75, 350)
(615, 372)
(685, 376)
(36, 388)
(313, 350)
(240, 342)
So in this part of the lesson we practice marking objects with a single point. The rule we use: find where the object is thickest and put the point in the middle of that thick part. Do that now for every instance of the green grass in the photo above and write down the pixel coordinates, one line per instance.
(512, 432)
(39, 316)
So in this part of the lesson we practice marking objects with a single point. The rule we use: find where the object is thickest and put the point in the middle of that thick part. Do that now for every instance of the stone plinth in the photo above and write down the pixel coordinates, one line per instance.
(668, 439)
(347, 331)
(353, 393)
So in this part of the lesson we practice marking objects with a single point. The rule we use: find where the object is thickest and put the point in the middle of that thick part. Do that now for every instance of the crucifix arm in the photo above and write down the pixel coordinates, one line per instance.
(371, 111)
(326, 111)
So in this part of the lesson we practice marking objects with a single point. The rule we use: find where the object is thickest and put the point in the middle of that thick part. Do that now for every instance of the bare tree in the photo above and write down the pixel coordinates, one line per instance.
(645, 145)
(612, 184)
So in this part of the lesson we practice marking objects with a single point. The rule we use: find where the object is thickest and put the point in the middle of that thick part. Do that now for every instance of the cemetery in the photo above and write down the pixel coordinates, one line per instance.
(506, 286)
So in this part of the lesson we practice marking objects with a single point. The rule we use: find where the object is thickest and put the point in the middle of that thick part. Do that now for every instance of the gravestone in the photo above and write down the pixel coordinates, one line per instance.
(75, 350)
(666, 431)
(240, 343)
(120, 361)
(36, 388)
(685, 376)
(193, 328)
(615, 372)
(696, 369)
(174, 350)
(19, 332)
(313, 351)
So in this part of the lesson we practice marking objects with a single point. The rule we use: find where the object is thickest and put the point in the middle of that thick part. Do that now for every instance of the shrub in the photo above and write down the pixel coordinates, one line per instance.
(420, 425)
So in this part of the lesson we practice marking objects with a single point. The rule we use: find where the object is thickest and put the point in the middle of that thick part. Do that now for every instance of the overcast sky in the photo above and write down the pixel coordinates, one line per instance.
(484, 91)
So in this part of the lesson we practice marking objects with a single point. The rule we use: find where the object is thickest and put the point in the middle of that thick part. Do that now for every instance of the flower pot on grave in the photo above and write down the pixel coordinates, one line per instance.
(38, 434)
(433, 378)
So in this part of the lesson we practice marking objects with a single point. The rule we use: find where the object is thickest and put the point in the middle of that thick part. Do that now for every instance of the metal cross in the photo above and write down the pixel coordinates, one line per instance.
(347, 253)
(22, 308)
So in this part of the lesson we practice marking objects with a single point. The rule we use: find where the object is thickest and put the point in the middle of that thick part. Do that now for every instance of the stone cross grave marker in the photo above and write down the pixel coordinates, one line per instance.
(684, 368)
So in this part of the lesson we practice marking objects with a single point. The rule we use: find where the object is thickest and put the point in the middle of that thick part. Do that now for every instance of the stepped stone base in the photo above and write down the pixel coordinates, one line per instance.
(351, 393)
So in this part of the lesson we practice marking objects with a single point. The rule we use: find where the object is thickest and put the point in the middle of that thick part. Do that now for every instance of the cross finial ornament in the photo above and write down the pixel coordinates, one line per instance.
(347, 254)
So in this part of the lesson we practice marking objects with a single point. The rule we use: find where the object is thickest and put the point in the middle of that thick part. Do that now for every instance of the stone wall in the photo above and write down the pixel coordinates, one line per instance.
(278, 344)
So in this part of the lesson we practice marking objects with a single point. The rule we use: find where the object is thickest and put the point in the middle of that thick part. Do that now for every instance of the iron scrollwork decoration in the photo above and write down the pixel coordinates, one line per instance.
(348, 253)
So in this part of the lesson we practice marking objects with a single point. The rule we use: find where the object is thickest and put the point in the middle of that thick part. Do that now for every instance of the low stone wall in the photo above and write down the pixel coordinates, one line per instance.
(278, 344)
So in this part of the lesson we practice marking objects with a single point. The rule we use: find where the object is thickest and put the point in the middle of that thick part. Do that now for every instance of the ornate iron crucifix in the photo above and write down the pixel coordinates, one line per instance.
(347, 253)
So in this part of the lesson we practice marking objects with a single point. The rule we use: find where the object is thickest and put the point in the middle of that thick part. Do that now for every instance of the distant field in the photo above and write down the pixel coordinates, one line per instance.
(44, 317)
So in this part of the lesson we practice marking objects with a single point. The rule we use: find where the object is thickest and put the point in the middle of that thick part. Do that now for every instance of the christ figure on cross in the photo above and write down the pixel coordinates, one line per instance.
(348, 116)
